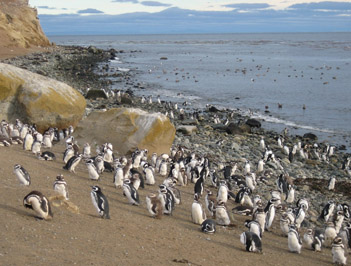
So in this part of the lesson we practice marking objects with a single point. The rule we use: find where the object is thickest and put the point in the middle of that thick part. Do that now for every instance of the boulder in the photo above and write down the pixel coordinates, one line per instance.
(95, 94)
(310, 136)
(253, 123)
(187, 130)
(127, 129)
(234, 128)
(39, 100)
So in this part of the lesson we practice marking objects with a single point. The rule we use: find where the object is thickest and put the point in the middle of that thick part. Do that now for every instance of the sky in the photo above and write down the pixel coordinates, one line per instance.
(60, 17)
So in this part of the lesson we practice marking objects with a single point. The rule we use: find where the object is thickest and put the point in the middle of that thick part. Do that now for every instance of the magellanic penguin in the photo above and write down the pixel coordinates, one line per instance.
(327, 211)
(60, 186)
(284, 223)
(329, 234)
(222, 194)
(222, 216)
(86, 150)
(36, 201)
(149, 174)
(28, 142)
(270, 213)
(46, 156)
(36, 146)
(260, 216)
(198, 214)
(68, 154)
(118, 176)
(338, 252)
(154, 206)
(130, 192)
(167, 199)
(22, 175)
(294, 241)
(210, 201)
(308, 238)
(254, 227)
(331, 183)
(93, 172)
(251, 241)
(72, 163)
(300, 216)
(208, 226)
(100, 202)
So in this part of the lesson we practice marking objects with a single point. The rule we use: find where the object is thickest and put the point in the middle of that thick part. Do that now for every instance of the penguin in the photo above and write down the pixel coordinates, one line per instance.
(130, 192)
(208, 226)
(68, 154)
(327, 211)
(250, 182)
(137, 179)
(251, 241)
(163, 168)
(46, 156)
(93, 173)
(198, 214)
(302, 202)
(149, 174)
(86, 150)
(176, 194)
(300, 216)
(338, 252)
(308, 238)
(210, 202)
(260, 166)
(329, 234)
(331, 183)
(199, 185)
(99, 164)
(222, 194)
(262, 144)
(270, 213)
(222, 216)
(345, 234)
(28, 141)
(100, 202)
(36, 146)
(318, 240)
(338, 220)
(22, 175)
(60, 186)
(36, 201)
(72, 163)
(118, 176)
(243, 210)
(247, 168)
(294, 241)
(47, 140)
(284, 224)
(260, 216)
(290, 195)
(154, 206)
(254, 227)
(167, 199)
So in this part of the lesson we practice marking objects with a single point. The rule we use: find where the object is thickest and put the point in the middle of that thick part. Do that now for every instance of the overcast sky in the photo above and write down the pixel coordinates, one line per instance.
(61, 17)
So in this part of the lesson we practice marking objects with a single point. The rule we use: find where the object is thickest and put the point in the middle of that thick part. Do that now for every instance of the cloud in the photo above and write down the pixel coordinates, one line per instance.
(323, 5)
(126, 1)
(46, 7)
(153, 3)
(90, 11)
(248, 6)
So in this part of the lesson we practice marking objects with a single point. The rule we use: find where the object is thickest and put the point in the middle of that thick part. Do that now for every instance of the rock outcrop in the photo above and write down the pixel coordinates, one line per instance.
(39, 100)
(127, 129)
(20, 27)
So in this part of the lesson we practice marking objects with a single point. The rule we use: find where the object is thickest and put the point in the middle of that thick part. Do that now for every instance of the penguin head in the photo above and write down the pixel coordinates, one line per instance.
(17, 166)
(60, 178)
(337, 240)
(96, 188)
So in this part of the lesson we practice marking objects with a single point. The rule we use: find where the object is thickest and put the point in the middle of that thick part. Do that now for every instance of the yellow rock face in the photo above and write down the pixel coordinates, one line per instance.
(127, 129)
(36, 99)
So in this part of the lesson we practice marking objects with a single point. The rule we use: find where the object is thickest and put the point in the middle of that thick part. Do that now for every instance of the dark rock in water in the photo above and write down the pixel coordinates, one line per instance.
(126, 99)
(189, 122)
(234, 128)
(253, 123)
(163, 58)
(213, 109)
(94, 94)
(310, 136)
(94, 50)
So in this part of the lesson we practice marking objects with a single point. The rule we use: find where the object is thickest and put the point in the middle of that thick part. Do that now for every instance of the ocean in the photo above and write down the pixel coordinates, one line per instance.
(271, 76)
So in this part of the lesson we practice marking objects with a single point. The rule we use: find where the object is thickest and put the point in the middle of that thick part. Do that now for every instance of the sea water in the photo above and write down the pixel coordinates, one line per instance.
(253, 72)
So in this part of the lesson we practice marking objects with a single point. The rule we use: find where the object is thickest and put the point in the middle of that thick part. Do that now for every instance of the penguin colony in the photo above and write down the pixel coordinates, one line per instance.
(215, 183)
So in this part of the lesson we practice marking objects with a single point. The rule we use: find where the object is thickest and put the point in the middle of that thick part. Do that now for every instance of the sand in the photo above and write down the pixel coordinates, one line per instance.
(130, 237)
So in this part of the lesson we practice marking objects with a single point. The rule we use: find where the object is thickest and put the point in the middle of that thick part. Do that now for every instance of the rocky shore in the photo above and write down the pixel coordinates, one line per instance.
(199, 132)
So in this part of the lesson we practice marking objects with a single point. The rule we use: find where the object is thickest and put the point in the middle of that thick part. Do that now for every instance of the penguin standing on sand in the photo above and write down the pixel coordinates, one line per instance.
(149, 174)
(167, 199)
(130, 192)
(118, 176)
(198, 214)
(222, 216)
(338, 252)
(327, 211)
(222, 194)
(270, 213)
(154, 206)
(254, 227)
(36, 201)
(210, 201)
(100, 202)
(208, 226)
(68, 154)
(284, 223)
(28, 141)
(60, 186)
(251, 241)
(294, 241)
(72, 163)
(46, 156)
(331, 183)
(22, 175)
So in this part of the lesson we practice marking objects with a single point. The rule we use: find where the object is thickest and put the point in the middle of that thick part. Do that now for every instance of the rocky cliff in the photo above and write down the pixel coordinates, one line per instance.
(20, 27)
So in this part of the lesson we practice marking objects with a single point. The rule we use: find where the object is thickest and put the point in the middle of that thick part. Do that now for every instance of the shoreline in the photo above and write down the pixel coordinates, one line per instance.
(213, 140)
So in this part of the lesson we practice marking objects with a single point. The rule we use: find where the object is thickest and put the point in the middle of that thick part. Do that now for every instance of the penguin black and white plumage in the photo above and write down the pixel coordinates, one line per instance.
(22, 175)
(99, 163)
(284, 224)
(327, 211)
(36, 201)
(329, 234)
(130, 192)
(338, 252)
(36, 146)
(28, 142)
(251, 241)
(300, 216)
(294, 241)
(308, 238)
(331, 183)
(222, 216)
(68, 154)
(137, 179)
(208, 226)
(154, 206)
(260, 216)
(345, 234)
(47, 140)
(290, 195)
(163, 168)
(60, 186)
(222, 194)
(338, 220)
(167, 199)
(199, 185)
(149, 174)
(47, 156)
(243, 210)
(254, 227)
(100, 202)
(210, 201)
(214, 178)
(72, 163)
(270, 213)
(318, 240)
(118, 176)
(198, 214)
(86, 150)
(302, 202)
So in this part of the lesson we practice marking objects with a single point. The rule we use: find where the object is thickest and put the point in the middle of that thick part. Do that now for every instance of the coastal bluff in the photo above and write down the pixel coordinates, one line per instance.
(39, 100)
(20, 30)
